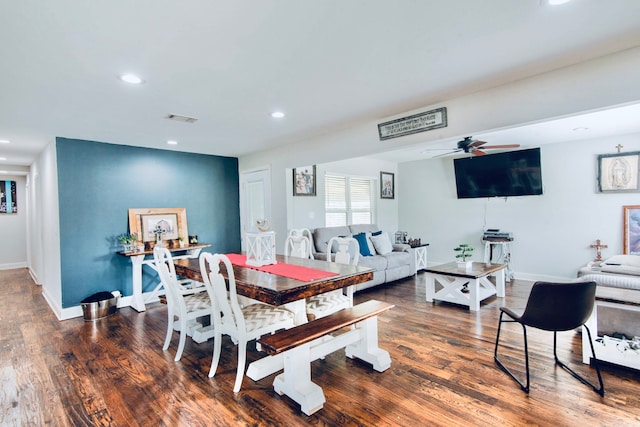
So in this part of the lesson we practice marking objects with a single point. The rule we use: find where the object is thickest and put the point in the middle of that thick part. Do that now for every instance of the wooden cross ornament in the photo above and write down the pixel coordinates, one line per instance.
(598, 247)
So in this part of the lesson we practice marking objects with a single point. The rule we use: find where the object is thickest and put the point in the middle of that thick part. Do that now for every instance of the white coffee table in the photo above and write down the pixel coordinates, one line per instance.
(464, 286)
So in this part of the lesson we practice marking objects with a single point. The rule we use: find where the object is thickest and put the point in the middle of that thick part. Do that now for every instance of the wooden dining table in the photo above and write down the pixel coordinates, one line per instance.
(278, 290)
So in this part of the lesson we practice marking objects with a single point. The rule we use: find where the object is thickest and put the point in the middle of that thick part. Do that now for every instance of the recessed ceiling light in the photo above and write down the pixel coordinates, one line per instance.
(131, 78)
(172, 142)
(277, 114)
(4, 141)
(558, 2)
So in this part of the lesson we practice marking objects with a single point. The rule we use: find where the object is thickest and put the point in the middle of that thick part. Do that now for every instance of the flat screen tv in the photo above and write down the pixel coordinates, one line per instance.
(514, 173)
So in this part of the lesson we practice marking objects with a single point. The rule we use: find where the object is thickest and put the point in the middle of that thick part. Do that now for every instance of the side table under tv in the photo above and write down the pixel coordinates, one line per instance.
(462, 286)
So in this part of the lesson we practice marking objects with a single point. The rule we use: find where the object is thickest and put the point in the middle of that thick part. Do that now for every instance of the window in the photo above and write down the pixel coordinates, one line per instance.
(348, 200)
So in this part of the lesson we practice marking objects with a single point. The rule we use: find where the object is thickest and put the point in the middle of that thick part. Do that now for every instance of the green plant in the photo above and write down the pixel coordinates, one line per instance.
(181, 238)
(126, 238)
(465, 251)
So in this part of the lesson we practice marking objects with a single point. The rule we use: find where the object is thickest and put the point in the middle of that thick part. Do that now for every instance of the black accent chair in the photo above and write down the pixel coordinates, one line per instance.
(554, 307)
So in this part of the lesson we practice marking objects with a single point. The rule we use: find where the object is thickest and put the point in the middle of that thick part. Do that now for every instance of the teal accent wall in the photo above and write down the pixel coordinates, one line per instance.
(99, 182)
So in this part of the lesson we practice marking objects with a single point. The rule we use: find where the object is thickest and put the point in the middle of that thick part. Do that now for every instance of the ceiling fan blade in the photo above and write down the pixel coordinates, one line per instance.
(502, 146)
(476, 143)
(477, 152)
(446, 154)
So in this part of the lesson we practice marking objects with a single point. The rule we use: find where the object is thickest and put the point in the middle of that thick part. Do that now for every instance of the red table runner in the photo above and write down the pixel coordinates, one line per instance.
(297, 272)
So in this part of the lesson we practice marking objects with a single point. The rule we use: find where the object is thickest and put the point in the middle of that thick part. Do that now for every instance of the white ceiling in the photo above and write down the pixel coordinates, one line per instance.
(327, 64)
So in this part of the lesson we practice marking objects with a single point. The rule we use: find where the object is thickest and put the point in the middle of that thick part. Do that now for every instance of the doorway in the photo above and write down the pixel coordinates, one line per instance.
(255, 198)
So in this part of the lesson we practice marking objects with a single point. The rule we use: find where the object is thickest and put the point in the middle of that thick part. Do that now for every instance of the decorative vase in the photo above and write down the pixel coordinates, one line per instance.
(466, 265)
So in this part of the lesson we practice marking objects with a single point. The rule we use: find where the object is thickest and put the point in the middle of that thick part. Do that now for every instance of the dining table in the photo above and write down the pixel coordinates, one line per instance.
(267, 284)
(276, 289)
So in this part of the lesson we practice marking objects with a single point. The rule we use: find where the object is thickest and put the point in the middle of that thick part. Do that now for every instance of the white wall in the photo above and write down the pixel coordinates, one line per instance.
(552, 232)
(591, 85)
(308, 212)
(13, 227)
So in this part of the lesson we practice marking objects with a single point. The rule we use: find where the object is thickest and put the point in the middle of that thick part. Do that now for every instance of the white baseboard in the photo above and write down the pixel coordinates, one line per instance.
(13, 265)
(34, 277)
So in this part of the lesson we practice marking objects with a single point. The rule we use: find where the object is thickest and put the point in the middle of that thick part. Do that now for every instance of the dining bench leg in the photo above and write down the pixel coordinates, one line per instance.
(296, 382)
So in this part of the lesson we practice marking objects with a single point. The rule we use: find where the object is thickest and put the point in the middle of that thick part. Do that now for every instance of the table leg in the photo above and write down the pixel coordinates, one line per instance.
(136, 270)
(299, 309)
(500, 283)
(474, 294)
(430, 287)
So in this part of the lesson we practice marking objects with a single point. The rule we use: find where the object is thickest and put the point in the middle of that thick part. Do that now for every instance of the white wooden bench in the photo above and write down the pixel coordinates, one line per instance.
(301, 345)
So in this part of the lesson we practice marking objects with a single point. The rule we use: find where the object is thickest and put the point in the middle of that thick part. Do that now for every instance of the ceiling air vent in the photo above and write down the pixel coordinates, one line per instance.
(180, 118)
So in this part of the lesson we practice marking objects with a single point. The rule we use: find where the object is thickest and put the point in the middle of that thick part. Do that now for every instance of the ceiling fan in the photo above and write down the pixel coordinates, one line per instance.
(476, 147)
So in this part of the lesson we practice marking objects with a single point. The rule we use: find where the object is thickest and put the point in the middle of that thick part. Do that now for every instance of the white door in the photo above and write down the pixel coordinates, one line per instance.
(255, 198)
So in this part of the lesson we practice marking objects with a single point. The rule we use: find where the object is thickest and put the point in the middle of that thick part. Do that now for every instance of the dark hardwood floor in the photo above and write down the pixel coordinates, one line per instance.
(113, 371)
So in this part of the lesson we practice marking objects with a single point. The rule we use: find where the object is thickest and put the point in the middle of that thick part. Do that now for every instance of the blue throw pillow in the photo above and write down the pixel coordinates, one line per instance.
(362, 241)
(376, 233)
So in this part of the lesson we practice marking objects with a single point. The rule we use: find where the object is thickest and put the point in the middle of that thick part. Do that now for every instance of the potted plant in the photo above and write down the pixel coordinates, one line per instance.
(181, 241)
(465, 251)
(126, 242)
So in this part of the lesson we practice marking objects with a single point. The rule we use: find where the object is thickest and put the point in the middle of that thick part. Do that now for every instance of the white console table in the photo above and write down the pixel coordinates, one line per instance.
(420, 253)
(138, 259)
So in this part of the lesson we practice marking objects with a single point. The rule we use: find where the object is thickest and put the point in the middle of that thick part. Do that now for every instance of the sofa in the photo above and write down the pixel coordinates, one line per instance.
(390, 261)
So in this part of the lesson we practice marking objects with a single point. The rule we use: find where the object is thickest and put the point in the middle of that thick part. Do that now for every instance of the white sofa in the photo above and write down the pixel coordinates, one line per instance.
(397, 264)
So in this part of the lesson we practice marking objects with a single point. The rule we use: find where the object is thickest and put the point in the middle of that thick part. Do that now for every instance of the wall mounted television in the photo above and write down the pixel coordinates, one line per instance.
(514, 173)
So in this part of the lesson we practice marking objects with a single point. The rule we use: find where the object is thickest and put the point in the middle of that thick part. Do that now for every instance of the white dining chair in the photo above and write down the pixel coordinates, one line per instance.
(298, 246)
(242, 324)
(347, 251)
(303, 232)
(187, 303)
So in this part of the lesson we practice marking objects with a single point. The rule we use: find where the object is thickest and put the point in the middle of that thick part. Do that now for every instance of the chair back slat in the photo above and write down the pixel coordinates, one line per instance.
(298, 246)
(222, 292)
(304, 232)
(347, 250)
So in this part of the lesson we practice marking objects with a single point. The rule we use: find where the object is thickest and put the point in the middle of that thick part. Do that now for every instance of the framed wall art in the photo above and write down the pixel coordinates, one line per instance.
(387, 185)
(170, 222)
(8, 197)
(631, 230)
(304, 181)
(618, 172)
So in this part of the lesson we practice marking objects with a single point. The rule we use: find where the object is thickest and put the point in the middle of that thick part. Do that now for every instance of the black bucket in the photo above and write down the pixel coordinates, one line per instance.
(99, 305)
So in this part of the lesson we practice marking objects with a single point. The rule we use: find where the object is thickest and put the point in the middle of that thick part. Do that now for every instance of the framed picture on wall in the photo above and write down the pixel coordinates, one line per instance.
(8, 197)
(304, 181)
(618, 172)
(631, 230)
(387, 185)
